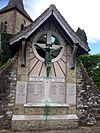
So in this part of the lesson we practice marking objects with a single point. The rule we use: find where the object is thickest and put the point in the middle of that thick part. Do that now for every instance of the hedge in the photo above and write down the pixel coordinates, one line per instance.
(92, 64)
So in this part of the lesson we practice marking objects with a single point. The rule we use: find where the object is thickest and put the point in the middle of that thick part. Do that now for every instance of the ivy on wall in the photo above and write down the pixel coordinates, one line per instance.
(92, 64)
(5, 53)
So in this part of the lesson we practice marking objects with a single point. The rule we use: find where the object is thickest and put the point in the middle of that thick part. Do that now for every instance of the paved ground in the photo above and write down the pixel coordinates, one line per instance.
(79, 130)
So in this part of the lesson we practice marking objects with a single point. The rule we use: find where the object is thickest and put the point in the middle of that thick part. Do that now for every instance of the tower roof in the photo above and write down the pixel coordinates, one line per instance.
(16, 4)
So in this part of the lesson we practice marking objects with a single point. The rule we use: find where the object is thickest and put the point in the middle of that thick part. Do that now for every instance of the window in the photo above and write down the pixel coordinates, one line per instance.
(42, 39)
(1, 27)
(54, 40)
(22, 26)
(5, 26)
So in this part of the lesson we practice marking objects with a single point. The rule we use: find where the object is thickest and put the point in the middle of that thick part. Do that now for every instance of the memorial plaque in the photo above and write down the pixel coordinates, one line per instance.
(58, 80)
(46, 90)
(36, 79)
(57, 92)
(71, 94)
(35, 92)
(21, 92)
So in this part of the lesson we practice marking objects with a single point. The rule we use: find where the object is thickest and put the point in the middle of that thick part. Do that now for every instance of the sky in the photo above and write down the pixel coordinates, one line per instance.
(78, 13)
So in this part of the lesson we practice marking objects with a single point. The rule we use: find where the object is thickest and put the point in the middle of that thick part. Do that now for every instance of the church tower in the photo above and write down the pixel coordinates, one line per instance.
(13, 17)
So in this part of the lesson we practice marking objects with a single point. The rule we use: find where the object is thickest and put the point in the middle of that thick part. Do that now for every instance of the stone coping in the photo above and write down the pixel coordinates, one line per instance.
(52, 79)
(46, 104)
(42, 117)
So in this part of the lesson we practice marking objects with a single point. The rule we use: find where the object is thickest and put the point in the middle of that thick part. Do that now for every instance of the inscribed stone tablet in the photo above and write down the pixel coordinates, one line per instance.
(35, 92)
(71, 94)
(21, 92)
(57, 92)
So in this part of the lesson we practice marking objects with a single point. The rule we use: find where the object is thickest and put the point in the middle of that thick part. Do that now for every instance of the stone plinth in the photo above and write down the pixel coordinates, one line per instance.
(45, 103)
(46, 108)
(36, 122)
(45, 116)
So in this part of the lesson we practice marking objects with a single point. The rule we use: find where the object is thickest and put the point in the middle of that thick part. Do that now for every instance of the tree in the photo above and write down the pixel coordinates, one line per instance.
(82, 35)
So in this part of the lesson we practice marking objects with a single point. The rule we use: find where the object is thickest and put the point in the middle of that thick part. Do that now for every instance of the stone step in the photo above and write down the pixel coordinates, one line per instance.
(26, 122)
(48, 109)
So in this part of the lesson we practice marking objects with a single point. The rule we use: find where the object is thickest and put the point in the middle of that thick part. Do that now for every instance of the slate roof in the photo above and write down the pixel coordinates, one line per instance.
(52, 10)
(16, 4)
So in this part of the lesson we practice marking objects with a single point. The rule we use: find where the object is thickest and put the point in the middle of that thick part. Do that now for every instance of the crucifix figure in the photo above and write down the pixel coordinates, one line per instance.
(48, 56)
(48, 49)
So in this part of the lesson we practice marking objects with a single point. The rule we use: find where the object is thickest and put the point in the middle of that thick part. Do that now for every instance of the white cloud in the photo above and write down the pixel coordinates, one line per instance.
(82, 13)
(93, 40)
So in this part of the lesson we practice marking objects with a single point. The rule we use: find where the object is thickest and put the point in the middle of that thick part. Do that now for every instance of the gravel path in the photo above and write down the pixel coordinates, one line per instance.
(79, 130)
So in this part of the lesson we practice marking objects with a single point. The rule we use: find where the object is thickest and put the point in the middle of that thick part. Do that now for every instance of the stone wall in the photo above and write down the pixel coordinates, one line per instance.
(88, 99)
(20, 19)
(7, 93)
(14, 20)
(9, 18)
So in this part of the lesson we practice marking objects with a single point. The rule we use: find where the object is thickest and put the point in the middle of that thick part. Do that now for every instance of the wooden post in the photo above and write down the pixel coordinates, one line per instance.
(0, 42)
(74, 52)
(23, 53)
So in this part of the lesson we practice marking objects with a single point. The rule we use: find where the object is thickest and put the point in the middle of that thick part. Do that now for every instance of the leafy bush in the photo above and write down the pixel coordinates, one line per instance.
(92, 65)
(5, 53)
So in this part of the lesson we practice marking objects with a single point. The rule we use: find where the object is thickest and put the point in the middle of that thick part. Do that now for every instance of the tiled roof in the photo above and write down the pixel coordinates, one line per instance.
(52, 10)
(17, 4)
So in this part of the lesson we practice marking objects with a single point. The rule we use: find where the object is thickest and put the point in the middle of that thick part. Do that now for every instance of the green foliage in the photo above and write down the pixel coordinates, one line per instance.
(5, 53)
(92, 65)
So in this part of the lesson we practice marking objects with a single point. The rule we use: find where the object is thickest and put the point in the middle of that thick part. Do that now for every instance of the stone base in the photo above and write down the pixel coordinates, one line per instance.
(48, 109)
(36, 122)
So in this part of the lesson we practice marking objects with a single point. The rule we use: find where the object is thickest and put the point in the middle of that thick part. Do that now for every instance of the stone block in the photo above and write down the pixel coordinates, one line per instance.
(19, 110)
(36, 122)
(21, 91)
(71, 94)
(71, 110)
(22, 70)
(34, 111)
(45, 110)
(49, 109)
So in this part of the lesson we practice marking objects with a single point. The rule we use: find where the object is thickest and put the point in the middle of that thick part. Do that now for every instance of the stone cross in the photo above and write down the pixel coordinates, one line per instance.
(48, 48)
